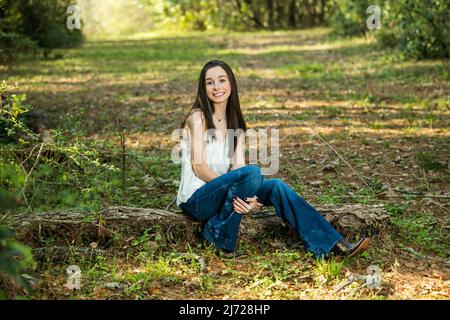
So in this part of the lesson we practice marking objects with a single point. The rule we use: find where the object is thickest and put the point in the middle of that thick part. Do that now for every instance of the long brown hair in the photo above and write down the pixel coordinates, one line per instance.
(234, 117)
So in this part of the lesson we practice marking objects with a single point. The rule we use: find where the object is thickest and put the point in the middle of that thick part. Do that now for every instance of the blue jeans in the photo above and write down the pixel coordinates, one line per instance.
(213, 204)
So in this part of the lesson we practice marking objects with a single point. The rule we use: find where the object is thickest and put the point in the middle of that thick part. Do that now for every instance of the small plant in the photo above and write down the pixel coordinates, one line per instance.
(328, 269)
(161, 269)
(377, 125)
(365, 196)
(395, 209)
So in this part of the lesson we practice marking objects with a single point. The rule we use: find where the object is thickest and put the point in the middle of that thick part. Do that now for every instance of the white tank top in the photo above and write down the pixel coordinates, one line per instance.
(216, 159)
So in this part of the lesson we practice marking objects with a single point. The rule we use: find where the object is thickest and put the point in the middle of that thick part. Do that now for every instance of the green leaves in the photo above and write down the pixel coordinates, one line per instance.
(37, 22)
(15, 258)
(328, 269)
(422, 229)
(419, 28)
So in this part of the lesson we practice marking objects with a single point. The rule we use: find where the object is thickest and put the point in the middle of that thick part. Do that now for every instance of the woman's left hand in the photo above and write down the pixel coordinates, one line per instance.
(251, 205)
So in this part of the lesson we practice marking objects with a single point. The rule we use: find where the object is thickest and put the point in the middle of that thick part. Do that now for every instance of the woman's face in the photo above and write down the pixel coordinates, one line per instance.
(218, 86)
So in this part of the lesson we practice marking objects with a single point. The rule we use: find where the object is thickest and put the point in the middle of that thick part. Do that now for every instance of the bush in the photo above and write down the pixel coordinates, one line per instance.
(16, 260)
(13, 44)
(60, 173)
(26, 25)
(348, 17)
(419, 28)
(188, 15)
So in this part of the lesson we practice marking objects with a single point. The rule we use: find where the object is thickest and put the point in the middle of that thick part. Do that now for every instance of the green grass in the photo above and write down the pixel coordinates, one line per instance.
(335, 194)
(328, 270)
(428, 161)
(420, 229)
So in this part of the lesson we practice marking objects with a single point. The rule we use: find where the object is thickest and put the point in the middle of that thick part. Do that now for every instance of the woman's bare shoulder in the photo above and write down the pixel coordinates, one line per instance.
(196, 116)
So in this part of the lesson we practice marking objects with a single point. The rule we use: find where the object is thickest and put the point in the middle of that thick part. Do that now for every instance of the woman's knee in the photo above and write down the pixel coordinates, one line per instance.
(250, 170)
(250, 178)
(277, 183)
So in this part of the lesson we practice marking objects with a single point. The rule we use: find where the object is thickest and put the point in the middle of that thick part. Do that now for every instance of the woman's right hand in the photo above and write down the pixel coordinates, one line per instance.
(251, 205)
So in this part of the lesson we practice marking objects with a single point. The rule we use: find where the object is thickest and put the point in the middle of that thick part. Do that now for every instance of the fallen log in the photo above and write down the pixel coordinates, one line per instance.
(121, 224)
(58, 253)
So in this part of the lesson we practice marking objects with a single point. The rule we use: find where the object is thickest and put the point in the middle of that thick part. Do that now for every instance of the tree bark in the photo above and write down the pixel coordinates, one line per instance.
(270, 13)
(117, 224)
(322, 11)
(255, 14)
(292, 14)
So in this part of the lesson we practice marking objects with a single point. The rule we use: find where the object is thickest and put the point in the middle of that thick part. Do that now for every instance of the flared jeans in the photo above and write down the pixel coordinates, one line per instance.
(213, 204)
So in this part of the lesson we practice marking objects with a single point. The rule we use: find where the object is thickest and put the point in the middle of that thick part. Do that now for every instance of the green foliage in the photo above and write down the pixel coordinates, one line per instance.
(193, 15)
(66, 172)
(201, 15)
(27, 25)
(15, 258)
(197, 15)
(13, 43)
(333, 195)
(12, 127)
(419, 28)
(421, 229)
(348, 17)
(429, 161)
(395, 209)
(328, 269)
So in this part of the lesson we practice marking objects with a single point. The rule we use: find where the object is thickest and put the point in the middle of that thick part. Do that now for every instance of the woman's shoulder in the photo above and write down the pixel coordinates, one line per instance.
(196, 116)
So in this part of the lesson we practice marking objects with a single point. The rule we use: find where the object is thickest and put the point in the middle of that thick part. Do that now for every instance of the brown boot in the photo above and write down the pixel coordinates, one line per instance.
(347, 249)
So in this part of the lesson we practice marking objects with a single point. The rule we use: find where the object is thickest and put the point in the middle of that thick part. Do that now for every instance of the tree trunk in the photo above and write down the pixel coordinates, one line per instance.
(322, 11)
(301, 13)
(270, 13)
(292, 14)
(255, 14)
(281, 14)
(116, 224)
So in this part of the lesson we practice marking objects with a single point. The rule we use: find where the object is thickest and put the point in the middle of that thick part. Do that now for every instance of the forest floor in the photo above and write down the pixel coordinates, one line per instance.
(387, 116)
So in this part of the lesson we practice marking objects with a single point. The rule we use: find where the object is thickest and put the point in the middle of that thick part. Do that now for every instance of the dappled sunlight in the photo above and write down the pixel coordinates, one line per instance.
(267, 47)
(92, 101)
(138, 140)
(357, 126)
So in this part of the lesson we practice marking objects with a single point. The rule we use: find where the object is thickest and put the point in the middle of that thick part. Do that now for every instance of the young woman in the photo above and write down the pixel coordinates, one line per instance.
(212, 192)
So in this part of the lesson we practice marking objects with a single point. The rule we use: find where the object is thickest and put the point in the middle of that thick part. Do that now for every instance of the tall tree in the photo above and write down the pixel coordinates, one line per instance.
(292, 14)
(270, 13)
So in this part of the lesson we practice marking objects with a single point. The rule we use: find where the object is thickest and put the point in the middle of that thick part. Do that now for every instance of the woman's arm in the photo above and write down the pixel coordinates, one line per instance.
(239, 156)
(197, 127)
